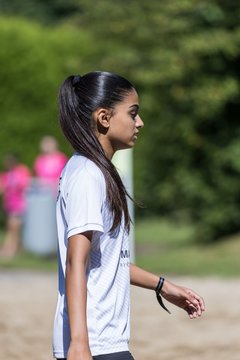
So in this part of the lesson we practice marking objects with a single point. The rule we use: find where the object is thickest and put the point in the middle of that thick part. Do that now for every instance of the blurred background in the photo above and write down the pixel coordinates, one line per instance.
(184, 59)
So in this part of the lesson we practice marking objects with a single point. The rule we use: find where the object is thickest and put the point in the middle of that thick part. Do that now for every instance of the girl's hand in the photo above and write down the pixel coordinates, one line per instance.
(184, 298)
(77, 351)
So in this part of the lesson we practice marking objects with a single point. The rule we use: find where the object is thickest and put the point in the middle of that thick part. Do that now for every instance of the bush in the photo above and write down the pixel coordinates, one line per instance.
(33, 62)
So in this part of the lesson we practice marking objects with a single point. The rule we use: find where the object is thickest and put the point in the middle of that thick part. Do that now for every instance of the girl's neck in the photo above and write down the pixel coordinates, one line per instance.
(108, 149)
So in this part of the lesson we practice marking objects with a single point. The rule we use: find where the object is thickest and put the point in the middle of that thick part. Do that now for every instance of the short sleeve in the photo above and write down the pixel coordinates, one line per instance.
(84, 202)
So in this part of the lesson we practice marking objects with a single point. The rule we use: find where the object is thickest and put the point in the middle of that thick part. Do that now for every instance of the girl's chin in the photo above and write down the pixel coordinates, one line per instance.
(125, 146)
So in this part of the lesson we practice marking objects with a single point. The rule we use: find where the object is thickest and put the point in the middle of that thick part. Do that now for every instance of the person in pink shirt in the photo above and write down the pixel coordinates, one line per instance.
(13, 184)
(49, 164)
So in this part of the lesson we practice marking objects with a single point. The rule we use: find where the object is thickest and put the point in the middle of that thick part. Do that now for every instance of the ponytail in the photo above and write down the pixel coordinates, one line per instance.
(79, 97)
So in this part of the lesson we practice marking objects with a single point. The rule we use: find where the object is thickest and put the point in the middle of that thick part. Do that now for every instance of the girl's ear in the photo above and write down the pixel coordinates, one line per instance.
(102, 117)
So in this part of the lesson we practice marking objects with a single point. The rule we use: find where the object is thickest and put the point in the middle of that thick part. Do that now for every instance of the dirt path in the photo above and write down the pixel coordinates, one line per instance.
(27, 303)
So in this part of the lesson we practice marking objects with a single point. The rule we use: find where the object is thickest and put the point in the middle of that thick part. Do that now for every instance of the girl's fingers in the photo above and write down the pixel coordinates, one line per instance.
(192, 311)
(197, 300)
(194, 307)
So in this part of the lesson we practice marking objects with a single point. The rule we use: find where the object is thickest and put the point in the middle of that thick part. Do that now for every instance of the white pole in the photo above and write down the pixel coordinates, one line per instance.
(123, 160)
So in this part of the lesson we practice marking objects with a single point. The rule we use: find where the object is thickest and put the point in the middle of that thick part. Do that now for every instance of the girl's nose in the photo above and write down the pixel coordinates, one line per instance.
(139, 122)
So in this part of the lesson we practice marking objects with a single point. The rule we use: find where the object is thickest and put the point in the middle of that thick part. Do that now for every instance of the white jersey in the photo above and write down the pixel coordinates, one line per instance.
(82, 206)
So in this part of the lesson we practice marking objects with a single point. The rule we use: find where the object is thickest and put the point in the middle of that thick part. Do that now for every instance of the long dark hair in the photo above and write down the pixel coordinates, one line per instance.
(79, 97)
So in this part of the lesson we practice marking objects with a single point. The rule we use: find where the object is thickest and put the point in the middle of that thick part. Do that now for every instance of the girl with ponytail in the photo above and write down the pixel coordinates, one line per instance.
(98, 116)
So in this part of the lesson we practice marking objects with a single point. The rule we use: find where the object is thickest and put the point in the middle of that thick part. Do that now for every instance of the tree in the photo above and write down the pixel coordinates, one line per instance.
(45, 11)
(33, 63)
(183, 57)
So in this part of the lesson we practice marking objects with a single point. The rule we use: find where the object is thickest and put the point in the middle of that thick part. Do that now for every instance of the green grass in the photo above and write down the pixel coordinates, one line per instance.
(28, 261)
(169, 248)
(162, 247)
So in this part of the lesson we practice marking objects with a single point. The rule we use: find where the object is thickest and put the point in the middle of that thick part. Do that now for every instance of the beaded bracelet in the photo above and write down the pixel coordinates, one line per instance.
(159, 298)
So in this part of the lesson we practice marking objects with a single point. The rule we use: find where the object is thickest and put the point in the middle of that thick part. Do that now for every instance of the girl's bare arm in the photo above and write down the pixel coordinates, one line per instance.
(76, 293)
(180, 296)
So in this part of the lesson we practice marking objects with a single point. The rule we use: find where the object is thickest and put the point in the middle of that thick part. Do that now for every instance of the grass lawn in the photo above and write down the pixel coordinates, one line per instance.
(28, 261)
(162, 247)
(169, 248)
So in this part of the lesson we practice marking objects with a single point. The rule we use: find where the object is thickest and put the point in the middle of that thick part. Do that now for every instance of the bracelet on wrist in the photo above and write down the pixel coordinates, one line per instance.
(159, 298)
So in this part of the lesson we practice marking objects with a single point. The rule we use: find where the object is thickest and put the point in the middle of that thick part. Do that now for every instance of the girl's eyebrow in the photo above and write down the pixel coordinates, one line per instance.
(134, 106)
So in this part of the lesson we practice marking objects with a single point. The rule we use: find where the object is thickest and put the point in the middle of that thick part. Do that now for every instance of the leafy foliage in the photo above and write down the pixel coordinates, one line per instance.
(33, 63)
(184, 58)
(43, 10)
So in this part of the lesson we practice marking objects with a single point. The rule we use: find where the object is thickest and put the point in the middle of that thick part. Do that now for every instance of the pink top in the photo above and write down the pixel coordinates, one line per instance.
(48, 168)
(14, 183)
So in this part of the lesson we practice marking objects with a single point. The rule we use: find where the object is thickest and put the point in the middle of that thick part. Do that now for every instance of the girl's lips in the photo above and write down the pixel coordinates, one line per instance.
(135, 135)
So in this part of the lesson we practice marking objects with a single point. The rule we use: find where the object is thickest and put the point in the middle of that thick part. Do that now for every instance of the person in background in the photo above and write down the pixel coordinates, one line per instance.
(13, 184)
(49, 164)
